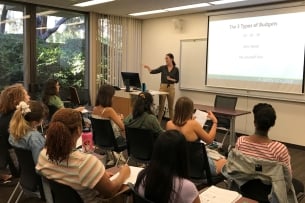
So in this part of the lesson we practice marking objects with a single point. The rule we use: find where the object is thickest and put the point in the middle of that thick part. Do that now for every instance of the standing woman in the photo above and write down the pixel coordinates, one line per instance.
(169, 76)
(9, 99)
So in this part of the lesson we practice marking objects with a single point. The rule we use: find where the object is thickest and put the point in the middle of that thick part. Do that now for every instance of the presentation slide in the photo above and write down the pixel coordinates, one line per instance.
(257, 51)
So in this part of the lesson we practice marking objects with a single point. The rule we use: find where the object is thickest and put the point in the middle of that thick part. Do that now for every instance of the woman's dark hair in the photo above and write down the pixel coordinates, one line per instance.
(168, 161)
(64, 128)
(104, 96)
(49, 90)
(143, 104)
(184, 109)
(264, 116)
(171, 56)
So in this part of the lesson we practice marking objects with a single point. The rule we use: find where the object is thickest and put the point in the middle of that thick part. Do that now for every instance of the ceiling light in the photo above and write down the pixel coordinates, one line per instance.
(91, 3)
(147, 12)
(187, 7)
(225, 2)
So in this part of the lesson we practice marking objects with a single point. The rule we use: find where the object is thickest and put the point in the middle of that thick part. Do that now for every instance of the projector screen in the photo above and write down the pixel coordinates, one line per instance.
(261, 50)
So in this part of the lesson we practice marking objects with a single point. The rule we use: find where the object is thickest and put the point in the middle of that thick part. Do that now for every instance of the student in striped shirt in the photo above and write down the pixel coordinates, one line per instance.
(61, 162)
(259, 145)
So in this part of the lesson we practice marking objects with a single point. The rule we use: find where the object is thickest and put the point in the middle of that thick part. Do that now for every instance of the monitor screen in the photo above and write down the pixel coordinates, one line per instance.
(131, 79)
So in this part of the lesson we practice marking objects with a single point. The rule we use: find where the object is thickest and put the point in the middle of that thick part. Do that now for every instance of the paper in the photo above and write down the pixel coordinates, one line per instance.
(201, 117)
(134, 171)
(218, 195)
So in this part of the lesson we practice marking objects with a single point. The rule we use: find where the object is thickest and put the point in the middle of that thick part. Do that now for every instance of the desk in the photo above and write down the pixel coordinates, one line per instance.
(123, 101)
(226, 113)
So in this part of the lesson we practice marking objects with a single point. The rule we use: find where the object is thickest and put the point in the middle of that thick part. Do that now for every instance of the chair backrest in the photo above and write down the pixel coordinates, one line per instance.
(226, 102)
(198, 164)
(74, 96)
(52, 110)
(103, 135)
(140, 143)
(63, 193)
(29, 179)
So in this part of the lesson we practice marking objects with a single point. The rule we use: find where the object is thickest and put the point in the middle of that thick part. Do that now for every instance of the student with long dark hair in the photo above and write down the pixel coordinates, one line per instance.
(169, 76)
(142, 115)
(164, 180)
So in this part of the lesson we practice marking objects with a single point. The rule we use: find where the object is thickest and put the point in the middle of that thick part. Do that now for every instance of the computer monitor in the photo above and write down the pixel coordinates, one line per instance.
(131, 79)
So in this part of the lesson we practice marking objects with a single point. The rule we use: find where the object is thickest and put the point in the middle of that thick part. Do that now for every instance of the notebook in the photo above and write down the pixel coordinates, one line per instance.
(219, 195)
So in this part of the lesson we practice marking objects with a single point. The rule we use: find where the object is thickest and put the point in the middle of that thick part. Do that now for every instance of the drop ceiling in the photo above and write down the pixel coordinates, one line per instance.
(125, 7)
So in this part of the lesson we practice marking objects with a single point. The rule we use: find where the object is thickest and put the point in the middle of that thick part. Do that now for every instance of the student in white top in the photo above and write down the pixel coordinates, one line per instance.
(164, 180)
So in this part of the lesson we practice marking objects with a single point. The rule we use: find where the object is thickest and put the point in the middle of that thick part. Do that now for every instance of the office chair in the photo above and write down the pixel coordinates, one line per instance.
(63, 193)
(29, 179)
(136, 197)
(261, 180)
(104, 138)
(140, 144)
(198, 166)
(74, 96)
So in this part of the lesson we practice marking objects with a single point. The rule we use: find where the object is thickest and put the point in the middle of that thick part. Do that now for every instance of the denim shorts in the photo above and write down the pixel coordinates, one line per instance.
(212, 167)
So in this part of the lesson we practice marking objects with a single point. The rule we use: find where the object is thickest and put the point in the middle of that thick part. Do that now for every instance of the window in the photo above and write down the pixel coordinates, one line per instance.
(11, 43)
(61, 47)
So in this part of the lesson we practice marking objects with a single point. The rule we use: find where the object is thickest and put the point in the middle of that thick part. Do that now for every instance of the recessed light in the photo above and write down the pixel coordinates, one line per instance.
(188, 7)
(225, 2)
(91, 3)
(148, 12)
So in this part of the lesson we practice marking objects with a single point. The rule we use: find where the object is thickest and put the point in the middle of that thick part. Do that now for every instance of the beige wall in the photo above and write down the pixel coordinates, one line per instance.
(159, 37)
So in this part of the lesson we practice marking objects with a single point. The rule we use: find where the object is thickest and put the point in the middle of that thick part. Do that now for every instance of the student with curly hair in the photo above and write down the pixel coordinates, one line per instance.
(9, 99)
(61, 162)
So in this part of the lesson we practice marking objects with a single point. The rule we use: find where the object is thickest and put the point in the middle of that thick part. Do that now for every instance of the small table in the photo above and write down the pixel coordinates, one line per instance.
(226, 113)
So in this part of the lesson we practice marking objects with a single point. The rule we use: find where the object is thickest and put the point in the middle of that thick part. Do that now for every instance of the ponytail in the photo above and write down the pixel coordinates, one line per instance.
(18, 125)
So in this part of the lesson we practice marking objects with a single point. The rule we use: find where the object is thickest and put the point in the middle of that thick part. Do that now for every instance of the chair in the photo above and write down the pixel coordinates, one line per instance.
(198, 166)
(224, 102)
(52, 110)
(74, 96)
(136, 197)
(104, 138)
(29, 179)
(258, 179)
(63, 193)
(140, 144)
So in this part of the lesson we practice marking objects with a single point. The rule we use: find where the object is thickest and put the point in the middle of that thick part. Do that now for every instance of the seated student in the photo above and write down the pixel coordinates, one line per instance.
(258, 148)
(9, 99)
(103, 110)
(259, 145)
(23, 127)
(142, 115)
(183, 121)
(165, 178)
(51, 97)
(61, 162)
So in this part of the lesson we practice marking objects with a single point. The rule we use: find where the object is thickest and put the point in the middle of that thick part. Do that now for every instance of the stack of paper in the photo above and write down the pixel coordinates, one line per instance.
(200, 116)
(218, 195)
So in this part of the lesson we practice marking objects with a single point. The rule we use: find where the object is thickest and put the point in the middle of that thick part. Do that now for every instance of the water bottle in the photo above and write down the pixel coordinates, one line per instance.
(87, 142)
(143, 87)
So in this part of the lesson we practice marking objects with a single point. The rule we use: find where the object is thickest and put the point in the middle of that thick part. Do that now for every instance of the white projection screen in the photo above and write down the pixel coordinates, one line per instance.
(259, 50)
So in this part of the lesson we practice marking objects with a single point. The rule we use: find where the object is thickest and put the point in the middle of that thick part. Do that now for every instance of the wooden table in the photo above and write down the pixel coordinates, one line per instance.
(226, 113)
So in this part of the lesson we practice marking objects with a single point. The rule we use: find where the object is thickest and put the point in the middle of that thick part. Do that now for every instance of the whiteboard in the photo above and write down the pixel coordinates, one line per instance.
(193, 74)
(192, 64)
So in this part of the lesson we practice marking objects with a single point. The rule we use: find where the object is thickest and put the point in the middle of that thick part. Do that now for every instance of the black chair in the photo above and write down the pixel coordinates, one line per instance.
(52, 110)
(136, 197)
(74, 96)
(224, 102)
(198, 166)
(63, 193)
(29, 179)
(140, 144)
(104, 138)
